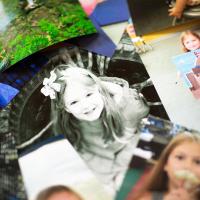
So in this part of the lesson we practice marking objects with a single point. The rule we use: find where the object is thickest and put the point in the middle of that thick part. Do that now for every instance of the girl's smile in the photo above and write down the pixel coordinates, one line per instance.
(85, 103)
(191, 42)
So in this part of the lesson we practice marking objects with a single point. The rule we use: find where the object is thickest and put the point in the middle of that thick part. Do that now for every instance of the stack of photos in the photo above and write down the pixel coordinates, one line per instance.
(27, 26)
(78, 124)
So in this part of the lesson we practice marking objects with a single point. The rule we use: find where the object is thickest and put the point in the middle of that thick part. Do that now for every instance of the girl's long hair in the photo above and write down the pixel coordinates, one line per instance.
(65, 123)
(158, 180)
(184, 35)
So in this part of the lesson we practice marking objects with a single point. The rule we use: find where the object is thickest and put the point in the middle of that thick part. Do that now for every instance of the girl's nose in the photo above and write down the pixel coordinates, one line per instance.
(86, 104)
(188, 164)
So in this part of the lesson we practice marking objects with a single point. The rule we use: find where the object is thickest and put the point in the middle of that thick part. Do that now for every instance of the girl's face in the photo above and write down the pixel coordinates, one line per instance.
(191, 42)
(84, 102)
(186, 156)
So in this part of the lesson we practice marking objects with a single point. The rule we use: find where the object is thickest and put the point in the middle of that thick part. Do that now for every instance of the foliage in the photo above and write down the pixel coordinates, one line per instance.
(68, 20)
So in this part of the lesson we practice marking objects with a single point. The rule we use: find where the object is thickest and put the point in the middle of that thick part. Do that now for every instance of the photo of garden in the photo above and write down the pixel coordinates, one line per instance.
(27, 26)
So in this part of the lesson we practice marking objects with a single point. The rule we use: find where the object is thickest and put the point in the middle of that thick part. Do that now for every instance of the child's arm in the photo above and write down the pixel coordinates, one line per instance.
(177, 10)
(133, 108)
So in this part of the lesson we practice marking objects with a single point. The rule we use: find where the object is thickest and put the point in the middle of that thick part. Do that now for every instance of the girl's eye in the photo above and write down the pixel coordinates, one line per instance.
(73, 102)
(179, 157)
(89, 94)
(197, 161)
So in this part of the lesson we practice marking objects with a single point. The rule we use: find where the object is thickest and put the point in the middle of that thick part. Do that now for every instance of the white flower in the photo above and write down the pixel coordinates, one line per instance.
(50, 88)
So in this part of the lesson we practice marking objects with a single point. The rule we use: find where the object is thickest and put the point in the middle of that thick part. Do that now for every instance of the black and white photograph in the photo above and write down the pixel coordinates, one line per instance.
(95, 101)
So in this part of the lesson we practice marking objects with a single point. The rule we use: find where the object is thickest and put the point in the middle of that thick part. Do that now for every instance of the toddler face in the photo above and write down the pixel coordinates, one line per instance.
(85, 103)
(191, 42)
(186, 156)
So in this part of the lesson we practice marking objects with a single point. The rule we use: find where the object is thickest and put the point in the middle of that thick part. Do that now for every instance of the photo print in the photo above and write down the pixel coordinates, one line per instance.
(59, 172)
(151, 17)
(165, 163)
(106, 12)
(188, 65)
(11, 181)
(28, 26)
(166, 78)
(96, 102)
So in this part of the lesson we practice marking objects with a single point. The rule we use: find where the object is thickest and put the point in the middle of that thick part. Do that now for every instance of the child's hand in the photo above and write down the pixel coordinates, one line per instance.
(179, 194)
(175, 12)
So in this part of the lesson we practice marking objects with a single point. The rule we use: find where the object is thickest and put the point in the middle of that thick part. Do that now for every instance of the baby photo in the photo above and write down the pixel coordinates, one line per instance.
(97, 102)
(27, 26)
(188, 66)
(165, 165)
(58, 173)
(170, 80)
(151, 17)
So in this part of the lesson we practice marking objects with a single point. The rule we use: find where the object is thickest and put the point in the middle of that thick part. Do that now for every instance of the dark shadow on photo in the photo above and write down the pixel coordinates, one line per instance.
(153, 16)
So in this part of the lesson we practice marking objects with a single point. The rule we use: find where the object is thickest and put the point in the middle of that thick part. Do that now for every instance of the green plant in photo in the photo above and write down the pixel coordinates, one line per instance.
(52, 22)
(48, 27)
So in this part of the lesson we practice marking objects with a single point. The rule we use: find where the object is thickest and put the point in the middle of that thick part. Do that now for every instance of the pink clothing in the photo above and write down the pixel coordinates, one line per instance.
(89, 5)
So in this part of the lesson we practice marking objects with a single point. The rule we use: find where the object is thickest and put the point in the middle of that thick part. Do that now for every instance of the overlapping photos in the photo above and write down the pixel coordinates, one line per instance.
(79, 125)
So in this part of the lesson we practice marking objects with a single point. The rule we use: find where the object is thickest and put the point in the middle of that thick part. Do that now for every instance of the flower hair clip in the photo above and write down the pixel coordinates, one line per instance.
(50, 87)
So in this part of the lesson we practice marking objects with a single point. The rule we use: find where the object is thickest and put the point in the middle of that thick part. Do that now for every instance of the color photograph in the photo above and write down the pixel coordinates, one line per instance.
(28, 26)
(188, 66)
(59, 173)
(151, 17)
(167, 78)
(165, 163)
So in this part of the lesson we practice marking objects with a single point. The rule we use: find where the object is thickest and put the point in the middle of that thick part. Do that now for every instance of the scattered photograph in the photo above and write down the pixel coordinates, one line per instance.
(151, 17)
(28, 26)
(97, 102)
(59, 173)
(168, 79)
(165, 163)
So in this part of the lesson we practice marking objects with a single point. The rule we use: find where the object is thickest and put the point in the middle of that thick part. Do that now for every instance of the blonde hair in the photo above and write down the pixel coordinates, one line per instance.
(184, 35)
(66, 123)
(157, 179)
(48, 192)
